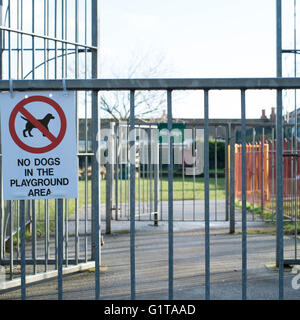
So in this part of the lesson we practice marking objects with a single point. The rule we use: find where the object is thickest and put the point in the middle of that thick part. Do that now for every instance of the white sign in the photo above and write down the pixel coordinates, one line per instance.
(38, 133)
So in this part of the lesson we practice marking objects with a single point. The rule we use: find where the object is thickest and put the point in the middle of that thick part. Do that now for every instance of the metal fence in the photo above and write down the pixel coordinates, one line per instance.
(261, 173)
(151, 177)
(45, 39)
(170, 85)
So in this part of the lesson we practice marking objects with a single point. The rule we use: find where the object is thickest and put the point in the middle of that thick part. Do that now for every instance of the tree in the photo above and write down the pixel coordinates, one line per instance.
(116, 104)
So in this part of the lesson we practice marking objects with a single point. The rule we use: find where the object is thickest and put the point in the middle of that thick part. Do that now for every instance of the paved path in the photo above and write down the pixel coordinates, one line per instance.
(189, 272)
(191, 212)
(189, 264)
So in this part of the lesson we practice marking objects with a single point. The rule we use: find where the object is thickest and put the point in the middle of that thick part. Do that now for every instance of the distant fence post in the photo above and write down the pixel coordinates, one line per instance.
(109, 178)
(232, 179)
(262, 145)
(155, 143)
(226, 175)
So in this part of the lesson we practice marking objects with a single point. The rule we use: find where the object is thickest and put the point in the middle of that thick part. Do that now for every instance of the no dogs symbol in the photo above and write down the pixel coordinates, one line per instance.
(41, 124)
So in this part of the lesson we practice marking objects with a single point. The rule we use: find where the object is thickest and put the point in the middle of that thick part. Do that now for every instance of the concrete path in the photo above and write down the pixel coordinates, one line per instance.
(189, 263)
(189, 215)
(189, 272)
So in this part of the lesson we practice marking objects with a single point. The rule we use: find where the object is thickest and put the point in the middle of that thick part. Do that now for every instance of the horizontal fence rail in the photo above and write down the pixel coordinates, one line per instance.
(153, 84)
(169, 85)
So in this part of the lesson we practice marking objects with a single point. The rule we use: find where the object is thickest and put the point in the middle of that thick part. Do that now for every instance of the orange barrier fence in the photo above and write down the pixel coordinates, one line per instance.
(261, 176)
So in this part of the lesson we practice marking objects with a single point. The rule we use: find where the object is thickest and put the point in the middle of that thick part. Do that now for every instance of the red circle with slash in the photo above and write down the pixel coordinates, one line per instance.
(55, 141)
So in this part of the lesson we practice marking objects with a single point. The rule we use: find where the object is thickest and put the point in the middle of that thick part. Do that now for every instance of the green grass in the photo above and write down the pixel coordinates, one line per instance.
(178, 186)
(180, 190)
(288, 226)
(188, 188)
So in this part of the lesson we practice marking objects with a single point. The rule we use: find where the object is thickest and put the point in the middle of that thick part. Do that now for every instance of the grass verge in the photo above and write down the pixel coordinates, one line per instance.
(288, 226)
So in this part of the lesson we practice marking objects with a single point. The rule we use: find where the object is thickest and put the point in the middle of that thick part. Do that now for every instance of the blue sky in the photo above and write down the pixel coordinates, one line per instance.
(198, 38)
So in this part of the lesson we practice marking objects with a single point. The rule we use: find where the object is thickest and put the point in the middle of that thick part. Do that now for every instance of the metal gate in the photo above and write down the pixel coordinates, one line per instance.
(51, 40)
(169, 85)
(96, 86)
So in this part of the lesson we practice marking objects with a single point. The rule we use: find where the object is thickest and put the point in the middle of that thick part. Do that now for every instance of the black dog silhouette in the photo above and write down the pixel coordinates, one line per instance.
(29, 126)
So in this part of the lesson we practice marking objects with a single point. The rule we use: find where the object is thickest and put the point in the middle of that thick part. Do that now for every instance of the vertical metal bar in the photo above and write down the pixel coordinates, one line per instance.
(139, 173)
(216, 173)
(194, 169)
(66, 231)
(291, 165)
(156, 174)
(96, 195)
(76, 35)
(45, 42)
(296, 135)
(126, 173)
(109, 179)
(66, 37)
(47, 58)
(132, 195)
(182, 168)
(263, 173)
(33, 43)
(86, 142)
(244, 199)
(279, 153)
(253, 171)
(56, 234)
(150, 173)
(46, 234)
(9, 41)
(18, 230)
(77, 239)
(11, 242)
(60, 235)
(18, 39)
(273, 178)
(22, 53)
(161, 179)
(60, 220)
(55, 36)
(63, 37)
(23, 250)
(278, 39)
(232, 179)
(206, 192)
(279, 192)
(34, 236)
(121, 169)
(170, 195)
(226, 174)
(127, 181)
(296, 205)
(108, 197)
(144, 180)
(117, 144)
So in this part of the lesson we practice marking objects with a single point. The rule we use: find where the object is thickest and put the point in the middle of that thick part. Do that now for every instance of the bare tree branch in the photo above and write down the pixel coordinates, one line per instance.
(150, 103)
